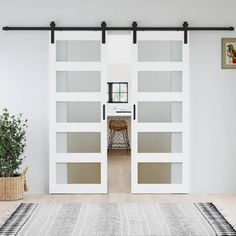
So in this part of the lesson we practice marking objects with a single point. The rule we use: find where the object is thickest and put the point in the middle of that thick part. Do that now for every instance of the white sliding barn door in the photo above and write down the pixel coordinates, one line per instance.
(78, 149)
(160, 126)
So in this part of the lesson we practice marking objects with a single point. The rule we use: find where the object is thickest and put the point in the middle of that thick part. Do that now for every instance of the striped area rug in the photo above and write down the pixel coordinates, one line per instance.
(113, 219)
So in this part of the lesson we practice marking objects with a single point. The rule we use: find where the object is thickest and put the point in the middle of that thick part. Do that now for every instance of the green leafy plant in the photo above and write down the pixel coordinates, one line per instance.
(12, 143)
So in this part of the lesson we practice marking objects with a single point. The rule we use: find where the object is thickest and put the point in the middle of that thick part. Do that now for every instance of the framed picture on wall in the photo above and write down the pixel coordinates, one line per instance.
(228, 53)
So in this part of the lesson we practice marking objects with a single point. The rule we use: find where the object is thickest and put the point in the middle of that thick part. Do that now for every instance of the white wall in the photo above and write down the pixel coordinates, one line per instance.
(24, 76)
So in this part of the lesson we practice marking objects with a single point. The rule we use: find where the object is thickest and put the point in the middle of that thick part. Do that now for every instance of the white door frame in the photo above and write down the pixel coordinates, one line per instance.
(161, 127)
(55, 127)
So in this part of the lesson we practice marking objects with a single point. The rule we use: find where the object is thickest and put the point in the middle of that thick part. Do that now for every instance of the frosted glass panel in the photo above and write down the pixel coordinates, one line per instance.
(159, 111)
(159, 81)
(80, 51)
(160, 173)
(159, 142)
(74, 142)
(78, 173)
(119, 48)
(78, 81)
(78, 111)
(160, 51)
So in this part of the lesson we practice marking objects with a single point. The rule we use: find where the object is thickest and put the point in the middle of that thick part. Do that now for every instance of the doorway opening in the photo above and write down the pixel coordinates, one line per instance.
(119, 111)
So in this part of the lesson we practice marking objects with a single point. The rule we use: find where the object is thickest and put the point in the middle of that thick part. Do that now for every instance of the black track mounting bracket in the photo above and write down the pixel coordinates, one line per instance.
(185, 29)
(103, 25)
(134, 26)
(52, 28)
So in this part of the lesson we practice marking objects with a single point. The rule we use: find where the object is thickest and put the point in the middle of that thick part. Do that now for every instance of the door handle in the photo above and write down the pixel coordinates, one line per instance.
(134, 112)
(104, 112)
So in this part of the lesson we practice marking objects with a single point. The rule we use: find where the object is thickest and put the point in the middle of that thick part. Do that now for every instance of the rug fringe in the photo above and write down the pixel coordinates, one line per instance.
(224, 214)
(8, 214)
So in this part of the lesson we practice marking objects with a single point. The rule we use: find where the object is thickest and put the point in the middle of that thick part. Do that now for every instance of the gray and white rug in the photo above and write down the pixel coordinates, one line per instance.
(111, 219)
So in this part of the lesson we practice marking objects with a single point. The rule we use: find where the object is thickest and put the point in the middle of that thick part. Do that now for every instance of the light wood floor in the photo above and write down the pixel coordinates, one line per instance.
(119, 191)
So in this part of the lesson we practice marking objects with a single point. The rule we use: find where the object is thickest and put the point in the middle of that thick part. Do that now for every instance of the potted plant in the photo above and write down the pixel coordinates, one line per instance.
(12, 144)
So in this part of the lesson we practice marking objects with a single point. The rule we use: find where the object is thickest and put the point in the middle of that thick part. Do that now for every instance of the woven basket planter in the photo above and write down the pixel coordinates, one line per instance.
(12, 188)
